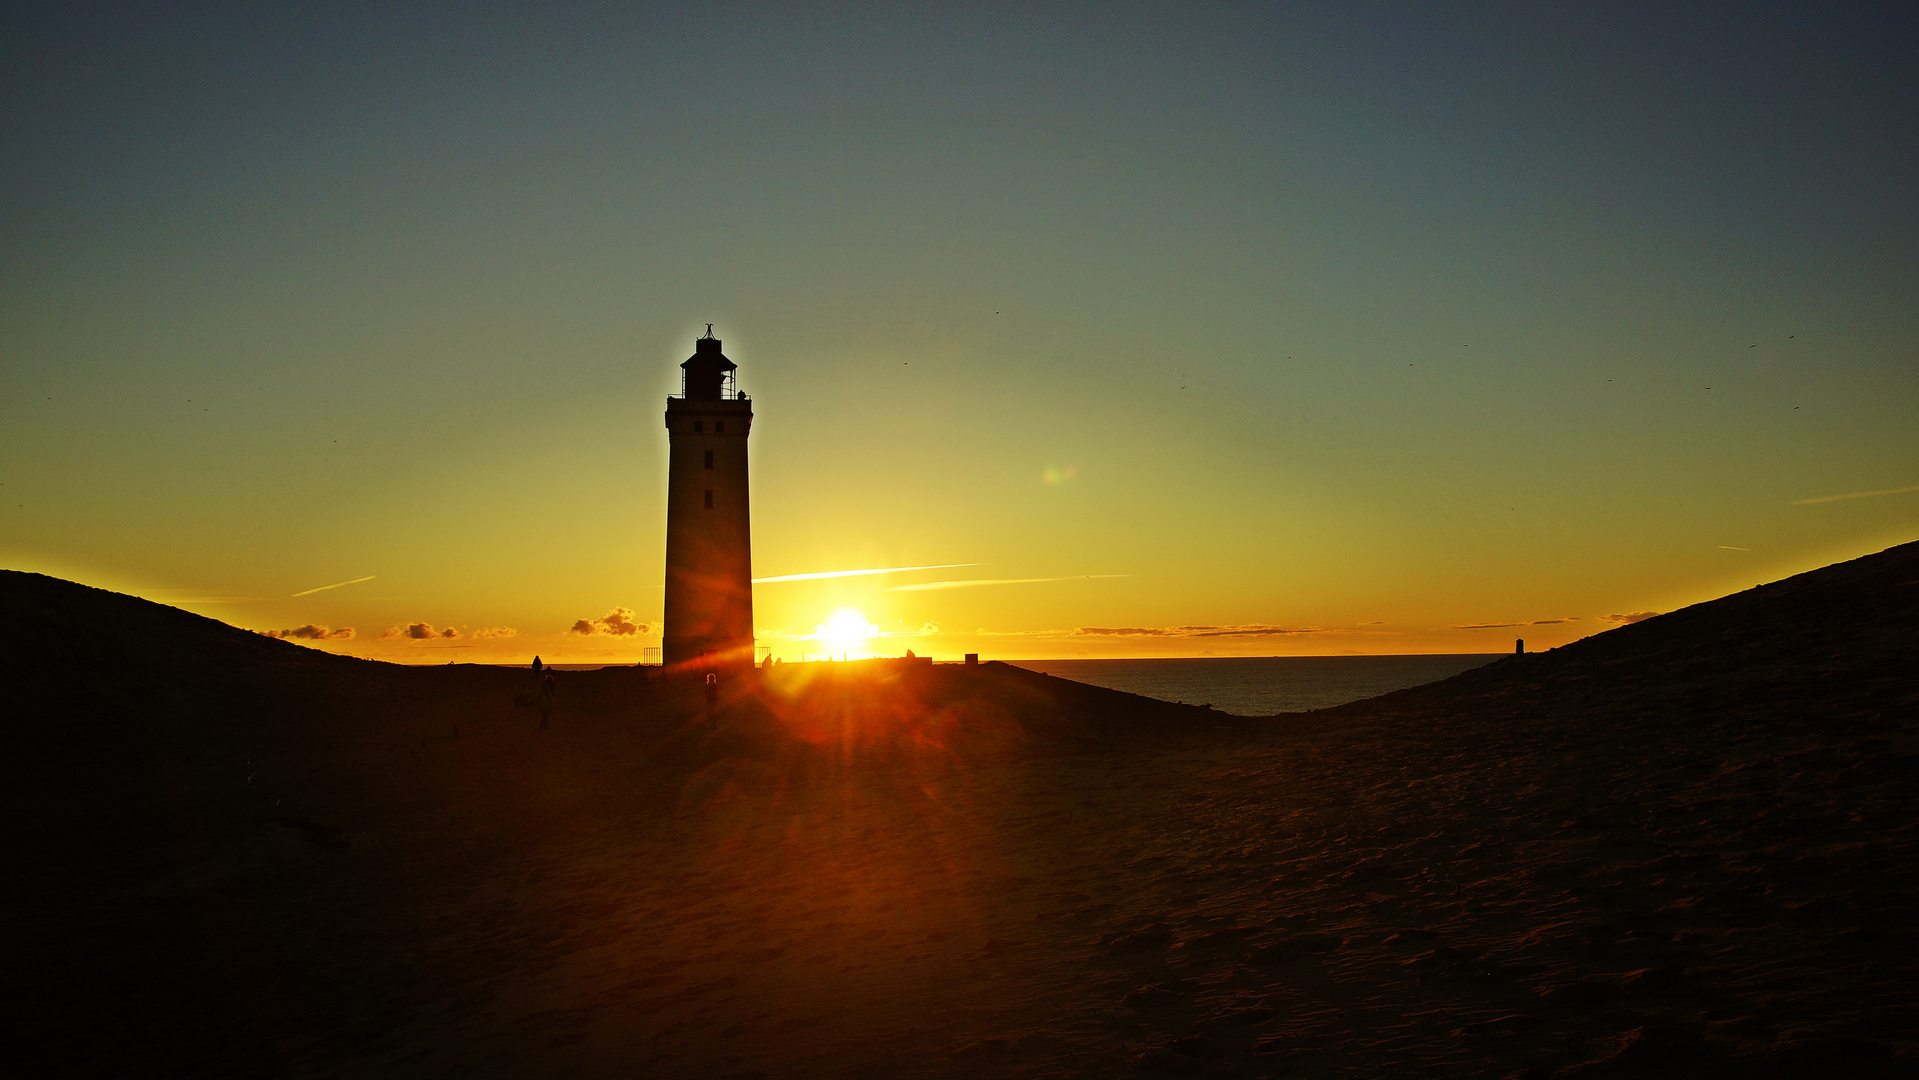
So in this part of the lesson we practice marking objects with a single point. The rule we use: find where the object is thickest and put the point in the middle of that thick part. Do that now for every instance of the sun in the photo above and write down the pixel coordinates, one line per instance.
(845, 633)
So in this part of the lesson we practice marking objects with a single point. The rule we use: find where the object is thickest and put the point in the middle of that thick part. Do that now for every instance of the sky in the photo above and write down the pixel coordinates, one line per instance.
(1147, 330)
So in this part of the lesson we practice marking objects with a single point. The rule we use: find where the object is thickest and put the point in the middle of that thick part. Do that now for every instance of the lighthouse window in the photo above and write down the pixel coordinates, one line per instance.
(699, 427)
(709, 498)
(719, 427)
(709, 459)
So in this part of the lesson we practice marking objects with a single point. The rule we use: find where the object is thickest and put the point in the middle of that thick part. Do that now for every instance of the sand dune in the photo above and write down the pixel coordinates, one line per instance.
(1680, 848)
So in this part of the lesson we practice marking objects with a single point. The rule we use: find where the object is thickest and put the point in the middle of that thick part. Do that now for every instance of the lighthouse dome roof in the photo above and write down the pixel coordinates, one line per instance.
(707, 354)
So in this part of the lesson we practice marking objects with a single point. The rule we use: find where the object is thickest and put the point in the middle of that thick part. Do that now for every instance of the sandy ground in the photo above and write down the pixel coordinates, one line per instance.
(1630, 857)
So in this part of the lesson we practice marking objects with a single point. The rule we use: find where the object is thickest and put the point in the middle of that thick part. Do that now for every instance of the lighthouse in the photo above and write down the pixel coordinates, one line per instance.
(709, 550)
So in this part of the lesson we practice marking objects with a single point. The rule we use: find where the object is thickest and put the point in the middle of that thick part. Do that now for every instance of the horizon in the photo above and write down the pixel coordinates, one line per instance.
(1121, 333)
(595, 666)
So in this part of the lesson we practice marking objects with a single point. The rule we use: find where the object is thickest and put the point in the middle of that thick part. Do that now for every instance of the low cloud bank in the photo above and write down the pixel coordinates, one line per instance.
(310, 632)
(1243, 630)
(420, 631)
(1501, 625)
(617, 623)
(1630, 617)
(426, 631)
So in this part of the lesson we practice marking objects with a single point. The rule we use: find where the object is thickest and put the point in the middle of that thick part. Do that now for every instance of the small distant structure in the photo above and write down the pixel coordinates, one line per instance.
(1519, 647)
(972, 659)
(536, 665)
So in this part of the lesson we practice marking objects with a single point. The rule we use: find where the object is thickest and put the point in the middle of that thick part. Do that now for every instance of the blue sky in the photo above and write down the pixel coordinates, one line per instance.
(1356, 322)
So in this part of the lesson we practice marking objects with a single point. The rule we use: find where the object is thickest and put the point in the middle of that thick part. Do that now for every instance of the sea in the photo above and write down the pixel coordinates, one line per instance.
(1251, 685)
(1263, 685)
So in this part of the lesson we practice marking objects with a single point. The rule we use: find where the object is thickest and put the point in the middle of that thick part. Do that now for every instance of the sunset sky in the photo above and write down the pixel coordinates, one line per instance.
(1142, 330)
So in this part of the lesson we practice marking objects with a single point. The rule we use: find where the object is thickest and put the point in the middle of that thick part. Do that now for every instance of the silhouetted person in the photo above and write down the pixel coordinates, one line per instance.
(543, 700)
(712, 699)
(536, 665)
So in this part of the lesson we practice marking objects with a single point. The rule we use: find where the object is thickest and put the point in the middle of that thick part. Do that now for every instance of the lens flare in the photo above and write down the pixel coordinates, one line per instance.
(845, 633)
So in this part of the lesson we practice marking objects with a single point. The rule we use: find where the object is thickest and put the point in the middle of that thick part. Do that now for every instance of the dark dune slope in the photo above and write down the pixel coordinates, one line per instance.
(97, 672)
(1686, 847)
(59, 627)
(1840, 640)
(126, 710)
(93, 671)
(124, 703)
(1683, 848)
(164, 770)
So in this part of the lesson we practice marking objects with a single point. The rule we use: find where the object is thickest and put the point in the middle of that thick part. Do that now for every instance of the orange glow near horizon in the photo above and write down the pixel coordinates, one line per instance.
(846, 633)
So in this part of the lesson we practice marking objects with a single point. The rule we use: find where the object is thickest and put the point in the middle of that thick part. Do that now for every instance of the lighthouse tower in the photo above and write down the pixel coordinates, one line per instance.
(709, 551)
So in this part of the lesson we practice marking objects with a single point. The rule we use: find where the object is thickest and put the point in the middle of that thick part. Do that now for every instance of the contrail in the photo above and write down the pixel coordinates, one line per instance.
(336, 585)
(1854, 495)
(969, 583)
(857, 573)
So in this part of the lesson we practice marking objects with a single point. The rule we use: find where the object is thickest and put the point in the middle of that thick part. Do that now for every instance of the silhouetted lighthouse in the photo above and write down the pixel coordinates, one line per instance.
(709, 550)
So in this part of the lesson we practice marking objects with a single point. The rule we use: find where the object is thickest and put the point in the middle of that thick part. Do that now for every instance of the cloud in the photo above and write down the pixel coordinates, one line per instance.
(1242, 630)
(1502, 625)
(1855, 495)
(618, 623)
(856, 573)
(335, 585)
(420, 631)
(495, 632)
(969, 583)
(1630, 617)
(1729, 547)
(311, 632)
